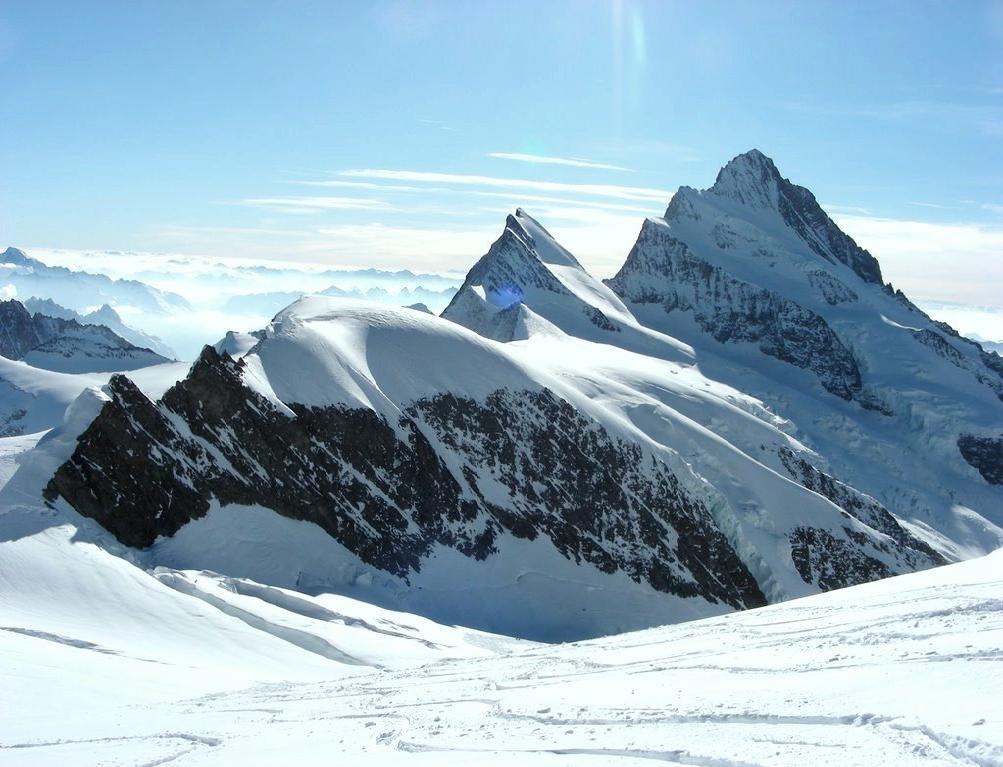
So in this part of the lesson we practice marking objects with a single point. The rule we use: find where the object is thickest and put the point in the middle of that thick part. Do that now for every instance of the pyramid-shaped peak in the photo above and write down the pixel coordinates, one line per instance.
(13, 256)
(750, 178)
(538, 240)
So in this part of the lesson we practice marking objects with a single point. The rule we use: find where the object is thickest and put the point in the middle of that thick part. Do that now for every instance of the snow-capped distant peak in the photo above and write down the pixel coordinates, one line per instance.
(14, 255)
(752, 191)
(539, 240)
(751, 179)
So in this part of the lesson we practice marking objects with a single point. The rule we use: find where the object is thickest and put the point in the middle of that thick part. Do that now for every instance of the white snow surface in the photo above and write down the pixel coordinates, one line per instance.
(106, 663)
(32, 399)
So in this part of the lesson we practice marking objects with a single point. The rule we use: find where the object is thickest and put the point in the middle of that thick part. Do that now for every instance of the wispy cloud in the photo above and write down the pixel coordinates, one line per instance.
(519, 199)
(515, 196)
(313, 204)
(574, 162)
(934, 261)
(927, 205)
(992, 208)
(365, 185)
(599, 190)
(833, 208)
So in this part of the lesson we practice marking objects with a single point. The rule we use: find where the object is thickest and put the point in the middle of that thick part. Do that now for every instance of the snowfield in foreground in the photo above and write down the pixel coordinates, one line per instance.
(103, 663)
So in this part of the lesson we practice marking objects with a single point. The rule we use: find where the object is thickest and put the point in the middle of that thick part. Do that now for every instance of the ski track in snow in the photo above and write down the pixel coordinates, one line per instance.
(899, 672)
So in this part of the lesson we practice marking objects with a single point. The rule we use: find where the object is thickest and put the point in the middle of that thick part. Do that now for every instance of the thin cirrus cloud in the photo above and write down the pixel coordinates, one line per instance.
(311, 204)
(573, 162)
(615, 191)
(934, 261)
(517, 197)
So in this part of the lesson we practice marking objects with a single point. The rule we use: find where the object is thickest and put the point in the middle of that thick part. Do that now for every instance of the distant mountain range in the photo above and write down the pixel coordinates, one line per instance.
(81, 291)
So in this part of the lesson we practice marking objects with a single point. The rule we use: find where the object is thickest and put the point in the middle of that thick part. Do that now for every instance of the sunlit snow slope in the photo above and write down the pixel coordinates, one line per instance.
(103, 663)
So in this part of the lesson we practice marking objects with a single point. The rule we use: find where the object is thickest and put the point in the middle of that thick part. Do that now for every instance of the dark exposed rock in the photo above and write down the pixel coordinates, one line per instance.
(984, 454)
(832, 563)
(939, 345)
(600, 320)
(661, 269)
(143, 469)
(832, 290)
(18, 332)
(863, 507)
(22, 333)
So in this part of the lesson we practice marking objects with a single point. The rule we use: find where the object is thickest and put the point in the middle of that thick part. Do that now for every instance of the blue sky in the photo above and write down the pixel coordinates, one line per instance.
(398, 133)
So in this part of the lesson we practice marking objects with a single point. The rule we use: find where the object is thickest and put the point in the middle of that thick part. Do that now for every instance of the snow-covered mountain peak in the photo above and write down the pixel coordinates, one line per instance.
(539, 240)
(14, 255)
(751, 179)
(752, 208)
(528, 284)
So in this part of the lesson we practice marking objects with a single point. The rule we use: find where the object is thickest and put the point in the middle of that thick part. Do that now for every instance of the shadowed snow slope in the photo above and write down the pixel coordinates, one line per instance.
(104, 663)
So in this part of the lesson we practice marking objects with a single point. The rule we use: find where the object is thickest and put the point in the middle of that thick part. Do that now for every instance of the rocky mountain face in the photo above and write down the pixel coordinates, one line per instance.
(753, 181)
(662, 270)
(65, 345)
(103, 315)
(390, 491)
(743, 414)
(753, 266)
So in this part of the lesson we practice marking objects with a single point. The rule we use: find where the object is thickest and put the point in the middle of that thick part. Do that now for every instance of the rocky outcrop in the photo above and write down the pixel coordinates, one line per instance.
(984, 454)
(859, 505)
(662, 270)
(832, 562)
(55, 343)
(449, 471)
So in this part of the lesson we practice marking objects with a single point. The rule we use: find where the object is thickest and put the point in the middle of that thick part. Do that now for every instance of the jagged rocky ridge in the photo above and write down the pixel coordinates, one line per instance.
(664, 271)
(384, 491)
(103, 315)
(54, 343)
